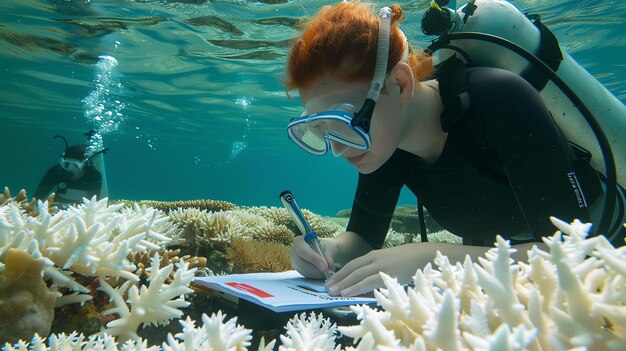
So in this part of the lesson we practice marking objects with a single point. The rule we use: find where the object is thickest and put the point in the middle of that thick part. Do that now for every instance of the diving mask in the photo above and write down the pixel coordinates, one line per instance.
(342, 123)
(71, 165)
(314, 132)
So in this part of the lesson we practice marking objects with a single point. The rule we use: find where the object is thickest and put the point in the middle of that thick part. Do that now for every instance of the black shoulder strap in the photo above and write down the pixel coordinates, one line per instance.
(453, 87)
(549, 52)
(422, 221)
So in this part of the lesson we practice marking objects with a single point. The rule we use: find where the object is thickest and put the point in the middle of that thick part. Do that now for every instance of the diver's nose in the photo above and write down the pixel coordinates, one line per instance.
(338, 148)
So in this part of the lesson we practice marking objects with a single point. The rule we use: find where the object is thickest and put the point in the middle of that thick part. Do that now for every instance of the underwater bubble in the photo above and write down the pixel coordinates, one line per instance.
(243, 101)
(94, 144)
(102, 107)
(236, 149)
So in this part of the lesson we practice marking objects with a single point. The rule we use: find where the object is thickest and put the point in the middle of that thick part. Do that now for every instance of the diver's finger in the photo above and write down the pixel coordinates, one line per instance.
(347, 270)
(330, 252)
(304, 252)
(363, 286)
(305, 268)
(308, 254)
(359, 275)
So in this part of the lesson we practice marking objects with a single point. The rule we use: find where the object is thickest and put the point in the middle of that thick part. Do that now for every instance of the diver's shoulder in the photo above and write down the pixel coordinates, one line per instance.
(495, 79)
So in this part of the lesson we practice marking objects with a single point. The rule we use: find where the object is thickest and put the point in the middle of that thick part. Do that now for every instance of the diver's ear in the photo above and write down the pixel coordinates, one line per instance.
(401, 75)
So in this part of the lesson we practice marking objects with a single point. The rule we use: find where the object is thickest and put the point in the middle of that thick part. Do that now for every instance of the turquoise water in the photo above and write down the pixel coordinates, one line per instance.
(196, 105)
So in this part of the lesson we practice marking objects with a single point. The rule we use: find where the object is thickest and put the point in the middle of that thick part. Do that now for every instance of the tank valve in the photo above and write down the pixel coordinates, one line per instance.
(437, 19)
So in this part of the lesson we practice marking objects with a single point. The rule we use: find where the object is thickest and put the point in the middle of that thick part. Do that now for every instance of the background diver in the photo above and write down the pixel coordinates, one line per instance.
(74, 177)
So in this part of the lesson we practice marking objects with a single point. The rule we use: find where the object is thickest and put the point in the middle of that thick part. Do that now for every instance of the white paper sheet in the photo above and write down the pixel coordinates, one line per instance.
(280, 292)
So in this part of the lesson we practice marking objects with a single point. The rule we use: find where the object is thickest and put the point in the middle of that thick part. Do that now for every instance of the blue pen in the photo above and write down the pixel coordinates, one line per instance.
(309, 235)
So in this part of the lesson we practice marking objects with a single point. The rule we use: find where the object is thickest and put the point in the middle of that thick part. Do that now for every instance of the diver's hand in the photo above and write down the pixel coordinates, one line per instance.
(308, 262)
(361, 275)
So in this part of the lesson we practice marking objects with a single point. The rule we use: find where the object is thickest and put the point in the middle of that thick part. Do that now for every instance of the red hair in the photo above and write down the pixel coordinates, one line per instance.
(342, 40)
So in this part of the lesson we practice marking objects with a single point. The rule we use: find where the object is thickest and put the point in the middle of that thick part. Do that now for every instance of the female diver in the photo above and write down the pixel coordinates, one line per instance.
(500, 167)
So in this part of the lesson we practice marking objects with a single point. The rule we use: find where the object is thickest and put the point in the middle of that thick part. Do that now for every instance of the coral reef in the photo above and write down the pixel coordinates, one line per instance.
(405, 219)
(95, 240)
(257, 256)
(92, 239)
(166, 206)
(394, 238)
(26, 304)
(154, 304)
(279, 216)
(143, 260)
(109, 269)
(211, 234)
(312, 332)
(101, 255)
(29, 207)
(571, 297)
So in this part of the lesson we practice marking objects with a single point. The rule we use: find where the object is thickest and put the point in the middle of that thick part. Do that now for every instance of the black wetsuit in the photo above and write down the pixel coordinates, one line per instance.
(69, 190)
(505, 168)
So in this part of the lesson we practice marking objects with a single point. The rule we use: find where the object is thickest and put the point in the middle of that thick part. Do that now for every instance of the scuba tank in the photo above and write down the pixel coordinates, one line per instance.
(97, 161)
(495, 33)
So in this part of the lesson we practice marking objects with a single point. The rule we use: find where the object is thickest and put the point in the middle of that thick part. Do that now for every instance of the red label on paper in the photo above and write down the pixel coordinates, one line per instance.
(251, 289)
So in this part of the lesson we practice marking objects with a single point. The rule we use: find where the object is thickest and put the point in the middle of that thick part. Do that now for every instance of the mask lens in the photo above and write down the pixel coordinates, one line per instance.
(343, 133)
(71, 165)
(314, 132)
(308, 137)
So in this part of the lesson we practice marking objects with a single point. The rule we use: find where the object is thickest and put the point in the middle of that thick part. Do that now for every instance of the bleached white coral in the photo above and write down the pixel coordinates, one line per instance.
(570, 297)
(75, 341)
(93, 238)
(214, 335)
(155, 304)
(394, 238)
(312, 332)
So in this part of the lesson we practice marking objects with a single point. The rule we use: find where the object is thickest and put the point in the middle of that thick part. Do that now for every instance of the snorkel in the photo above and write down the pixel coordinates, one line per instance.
(364, 116)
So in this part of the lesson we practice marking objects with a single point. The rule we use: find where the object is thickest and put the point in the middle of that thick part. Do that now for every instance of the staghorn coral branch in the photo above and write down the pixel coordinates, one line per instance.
(500, 286)
(155, 304)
